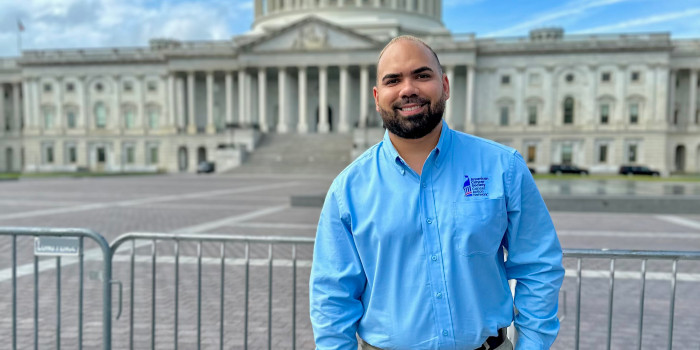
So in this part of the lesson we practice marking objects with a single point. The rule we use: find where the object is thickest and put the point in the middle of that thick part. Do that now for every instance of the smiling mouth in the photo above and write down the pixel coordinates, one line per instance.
(411, 109)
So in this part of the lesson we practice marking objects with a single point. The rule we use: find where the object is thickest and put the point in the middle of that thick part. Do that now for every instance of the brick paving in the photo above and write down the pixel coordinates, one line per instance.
(112, 206)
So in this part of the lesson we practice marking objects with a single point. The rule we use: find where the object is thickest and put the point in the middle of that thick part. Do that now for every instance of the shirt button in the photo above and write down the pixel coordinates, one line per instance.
(425, 185)
(429, 221)
(444, 332)
(403, 172)
(438, 295)
(433, 258)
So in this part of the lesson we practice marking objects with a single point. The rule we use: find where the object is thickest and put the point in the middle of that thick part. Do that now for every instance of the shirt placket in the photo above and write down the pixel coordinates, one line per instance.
(436, 266)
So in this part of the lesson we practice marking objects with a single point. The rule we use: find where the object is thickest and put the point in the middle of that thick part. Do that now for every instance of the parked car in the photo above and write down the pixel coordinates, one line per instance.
(638, 170)
(567, 169)
(206, 167)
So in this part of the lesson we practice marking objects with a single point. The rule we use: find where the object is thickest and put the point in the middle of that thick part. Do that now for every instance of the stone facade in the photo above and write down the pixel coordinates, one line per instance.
(597, 101)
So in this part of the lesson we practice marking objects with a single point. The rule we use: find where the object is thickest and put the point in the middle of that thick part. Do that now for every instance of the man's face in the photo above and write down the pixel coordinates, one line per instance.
(411, 91)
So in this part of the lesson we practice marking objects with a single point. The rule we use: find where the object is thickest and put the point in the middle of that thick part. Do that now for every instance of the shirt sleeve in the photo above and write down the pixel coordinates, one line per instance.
(337, 281)
(534, 260)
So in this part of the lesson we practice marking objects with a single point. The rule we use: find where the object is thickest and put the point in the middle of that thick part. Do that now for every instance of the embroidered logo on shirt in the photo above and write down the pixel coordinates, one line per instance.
(475, 186)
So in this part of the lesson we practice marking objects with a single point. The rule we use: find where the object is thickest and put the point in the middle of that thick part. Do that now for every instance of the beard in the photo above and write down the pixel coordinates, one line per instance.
(415, 126)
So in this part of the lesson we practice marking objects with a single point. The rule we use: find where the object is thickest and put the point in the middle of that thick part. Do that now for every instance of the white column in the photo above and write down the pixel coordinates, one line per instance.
(141, 102)
(17, 108)
(84, 108)
(191, 120)
(421, 6)
(242, 118)
(672, 96)
(343, 113)
(180, 122)
(282, 101)
(450, 71)
(172, 98)
(592, 117)
(469, 122)
(660, 92)
(27, 103)
(3, 119)
(692, 100)
(519, 99)
(37, 102)
(364, 94)
(228, 81)
(303, 126)
(323, 126)
(59, 105)
(210, 103)
(438, 10)
(395, 4)
(262, 99)
(551, 94)
(358, 3)
(377, 3)
(248, 98)
(620, 117)
(116, 117)
(409, 5)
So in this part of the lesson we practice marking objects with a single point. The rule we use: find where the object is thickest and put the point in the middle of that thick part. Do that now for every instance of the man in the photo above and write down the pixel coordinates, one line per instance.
(410, 244)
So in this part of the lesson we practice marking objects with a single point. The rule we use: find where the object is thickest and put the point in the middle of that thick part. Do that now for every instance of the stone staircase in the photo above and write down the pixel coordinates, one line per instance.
(322, 154)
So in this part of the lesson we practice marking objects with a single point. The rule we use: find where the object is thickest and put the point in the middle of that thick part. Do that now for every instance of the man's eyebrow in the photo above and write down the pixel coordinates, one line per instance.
(415, 71)
(421, 70)
(391, 76)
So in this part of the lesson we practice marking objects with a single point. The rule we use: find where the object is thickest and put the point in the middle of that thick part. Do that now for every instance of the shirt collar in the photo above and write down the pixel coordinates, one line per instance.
(440, 149)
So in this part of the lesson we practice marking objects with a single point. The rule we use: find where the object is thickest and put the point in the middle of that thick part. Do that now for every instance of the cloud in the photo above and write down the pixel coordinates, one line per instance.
(639, 22)
(52, 24)
(572, 9)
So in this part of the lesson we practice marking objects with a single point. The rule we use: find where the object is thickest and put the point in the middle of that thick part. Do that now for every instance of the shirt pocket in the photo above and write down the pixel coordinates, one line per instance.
(478, 225)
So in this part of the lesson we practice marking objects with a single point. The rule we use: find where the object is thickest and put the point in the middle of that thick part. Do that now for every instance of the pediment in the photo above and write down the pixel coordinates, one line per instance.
(311, 34)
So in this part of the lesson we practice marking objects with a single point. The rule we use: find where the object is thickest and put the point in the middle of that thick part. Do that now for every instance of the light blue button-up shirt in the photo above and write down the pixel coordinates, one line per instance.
(417, 262)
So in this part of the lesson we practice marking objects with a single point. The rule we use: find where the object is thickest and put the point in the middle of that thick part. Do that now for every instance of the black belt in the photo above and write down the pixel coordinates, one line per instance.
(495, 341)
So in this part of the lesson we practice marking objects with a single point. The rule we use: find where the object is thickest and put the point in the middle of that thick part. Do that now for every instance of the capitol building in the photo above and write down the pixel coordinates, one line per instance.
(308, 67)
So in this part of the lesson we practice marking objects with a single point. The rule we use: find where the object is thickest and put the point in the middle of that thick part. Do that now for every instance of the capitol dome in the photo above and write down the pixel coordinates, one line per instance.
(380, 19)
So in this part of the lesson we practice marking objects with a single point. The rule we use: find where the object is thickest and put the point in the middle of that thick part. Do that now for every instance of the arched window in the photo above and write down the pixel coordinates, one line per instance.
(100, 115)
(569, 110)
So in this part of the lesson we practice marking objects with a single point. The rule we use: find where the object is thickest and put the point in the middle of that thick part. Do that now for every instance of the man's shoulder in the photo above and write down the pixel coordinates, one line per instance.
(461, 139)
(360, 166)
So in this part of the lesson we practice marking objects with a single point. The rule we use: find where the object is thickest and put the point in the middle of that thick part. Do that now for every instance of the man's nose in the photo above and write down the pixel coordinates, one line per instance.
(408, 88)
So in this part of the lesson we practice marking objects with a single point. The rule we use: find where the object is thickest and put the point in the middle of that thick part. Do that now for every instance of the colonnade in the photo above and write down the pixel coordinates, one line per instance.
(692, 112)
(426, 7)
(13, 121)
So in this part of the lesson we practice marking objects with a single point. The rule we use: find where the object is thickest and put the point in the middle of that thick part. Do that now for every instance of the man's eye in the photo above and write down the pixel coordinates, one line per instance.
(391, 81)
(423, 76)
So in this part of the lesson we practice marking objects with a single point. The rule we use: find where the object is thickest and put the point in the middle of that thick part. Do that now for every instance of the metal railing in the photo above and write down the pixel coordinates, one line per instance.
(613, 255)
(153, 239)
(80, 234)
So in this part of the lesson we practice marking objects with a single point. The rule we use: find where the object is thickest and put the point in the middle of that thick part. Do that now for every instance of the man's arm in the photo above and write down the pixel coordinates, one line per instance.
(534, 260)
(337, 281)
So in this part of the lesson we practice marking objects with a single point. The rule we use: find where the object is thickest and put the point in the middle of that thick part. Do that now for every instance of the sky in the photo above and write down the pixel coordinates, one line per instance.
(64, 24)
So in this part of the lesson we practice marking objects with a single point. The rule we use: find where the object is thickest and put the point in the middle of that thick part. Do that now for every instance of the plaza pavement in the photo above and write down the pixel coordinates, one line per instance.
(259, 205)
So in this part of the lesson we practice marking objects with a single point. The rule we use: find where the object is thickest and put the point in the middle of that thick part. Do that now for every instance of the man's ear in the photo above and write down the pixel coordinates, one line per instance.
(376, 101)
(446, 86)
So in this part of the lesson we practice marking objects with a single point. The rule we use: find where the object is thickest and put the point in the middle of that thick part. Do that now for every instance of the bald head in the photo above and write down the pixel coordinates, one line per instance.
(410, 39)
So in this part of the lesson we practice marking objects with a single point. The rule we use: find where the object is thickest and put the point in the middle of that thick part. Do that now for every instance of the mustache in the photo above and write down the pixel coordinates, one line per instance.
(408, 100)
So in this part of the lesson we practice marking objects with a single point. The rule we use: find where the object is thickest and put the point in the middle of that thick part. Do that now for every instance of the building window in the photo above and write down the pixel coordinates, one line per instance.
(70, 87)
(505, 79)
(634, 113)
(99, 87)
(568, 110)
(71, 120)
(603, 154)
(567, 154)
(129, 117)
(100, 115)
(152, 86)
(675, 116)
(153, 119)
(129, 155)
(531, 153)
(697, 116)
(604, 113)
(569, 78)
(48, 118)
(605, 77)
(635, 76)
(153, 155)
(47, 87)
(632, 153)
(72, 155)
(128, 86)
(504, 116)
(49, 155)
(532, 115)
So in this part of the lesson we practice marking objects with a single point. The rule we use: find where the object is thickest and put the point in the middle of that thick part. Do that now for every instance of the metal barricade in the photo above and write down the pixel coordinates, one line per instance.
(160, 254)
(66, 244)
(612, 255)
